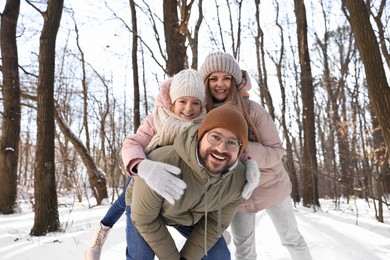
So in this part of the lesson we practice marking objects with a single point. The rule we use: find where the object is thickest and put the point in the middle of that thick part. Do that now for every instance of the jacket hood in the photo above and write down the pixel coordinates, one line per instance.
(163, 99)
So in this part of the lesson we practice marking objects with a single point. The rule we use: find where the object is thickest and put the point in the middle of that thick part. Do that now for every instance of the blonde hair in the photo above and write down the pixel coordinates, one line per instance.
(235, 96)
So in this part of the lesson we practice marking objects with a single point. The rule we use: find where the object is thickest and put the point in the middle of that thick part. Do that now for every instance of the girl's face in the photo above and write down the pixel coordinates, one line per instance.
(219, 85)
(187, 108)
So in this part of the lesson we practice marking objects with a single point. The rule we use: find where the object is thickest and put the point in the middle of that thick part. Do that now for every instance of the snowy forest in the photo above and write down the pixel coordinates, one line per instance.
(77, 77)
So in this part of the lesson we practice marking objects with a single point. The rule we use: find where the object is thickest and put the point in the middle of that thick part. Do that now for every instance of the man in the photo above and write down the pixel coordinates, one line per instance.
(207, 159)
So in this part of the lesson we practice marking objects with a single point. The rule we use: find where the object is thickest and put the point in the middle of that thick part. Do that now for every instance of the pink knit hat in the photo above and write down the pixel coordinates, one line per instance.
(221, 62)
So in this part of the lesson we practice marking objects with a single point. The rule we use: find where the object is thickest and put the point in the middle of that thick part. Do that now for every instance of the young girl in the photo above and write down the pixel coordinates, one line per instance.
(180, 103)
(225, 81)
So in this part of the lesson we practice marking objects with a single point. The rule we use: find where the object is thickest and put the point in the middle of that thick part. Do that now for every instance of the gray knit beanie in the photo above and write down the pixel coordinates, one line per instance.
(187, 83)
(221, 62)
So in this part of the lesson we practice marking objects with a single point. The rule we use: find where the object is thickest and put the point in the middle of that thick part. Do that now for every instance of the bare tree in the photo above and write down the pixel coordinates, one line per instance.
(25, 161)
(96, 175)
(193, 40)
(297, 141)
(381, 31)
(378, 88)
(9, 142)
(262, 78)
(175, 31)
(84, 84)
(380, 166)
(336, 100)
(345, 44)
(136, 105)
(278, 62)
(235, 42)
(46, 203)
(310, 189)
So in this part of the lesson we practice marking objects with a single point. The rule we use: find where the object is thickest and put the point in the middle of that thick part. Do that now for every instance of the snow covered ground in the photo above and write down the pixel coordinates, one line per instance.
(349, 233)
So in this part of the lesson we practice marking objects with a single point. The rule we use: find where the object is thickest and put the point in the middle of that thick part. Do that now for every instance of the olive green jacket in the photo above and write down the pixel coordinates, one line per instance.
(208, 203)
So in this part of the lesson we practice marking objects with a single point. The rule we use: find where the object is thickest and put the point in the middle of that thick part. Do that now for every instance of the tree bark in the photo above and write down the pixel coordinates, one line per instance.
(378, 88)
(9, 142)
(175, 37)
(45, 191)
(310, 189)
(136, 115)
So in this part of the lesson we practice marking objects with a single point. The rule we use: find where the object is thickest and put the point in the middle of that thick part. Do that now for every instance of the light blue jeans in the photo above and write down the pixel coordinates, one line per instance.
(282, 215)
(137, 248)
(117, 209)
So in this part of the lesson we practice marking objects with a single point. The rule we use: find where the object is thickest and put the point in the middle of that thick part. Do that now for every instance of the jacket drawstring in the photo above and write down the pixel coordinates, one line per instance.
(219, 211)
(206, 213)
(205, 223)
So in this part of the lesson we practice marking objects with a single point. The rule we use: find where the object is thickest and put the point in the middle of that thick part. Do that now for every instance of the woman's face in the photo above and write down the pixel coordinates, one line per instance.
(219, 85)
(187, 108)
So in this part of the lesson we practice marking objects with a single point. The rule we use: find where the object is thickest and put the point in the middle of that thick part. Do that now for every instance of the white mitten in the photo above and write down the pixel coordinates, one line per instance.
(252, 178)
(161, 178)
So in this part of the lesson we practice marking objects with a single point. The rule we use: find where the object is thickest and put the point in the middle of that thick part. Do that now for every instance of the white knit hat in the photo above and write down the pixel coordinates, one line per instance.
(221, 62)
(187, 83)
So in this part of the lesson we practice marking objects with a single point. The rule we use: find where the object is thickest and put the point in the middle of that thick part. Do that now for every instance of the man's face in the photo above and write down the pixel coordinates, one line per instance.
(218, 158)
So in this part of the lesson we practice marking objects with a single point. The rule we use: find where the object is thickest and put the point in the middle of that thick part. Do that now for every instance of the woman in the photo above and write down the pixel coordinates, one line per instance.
(225, 81)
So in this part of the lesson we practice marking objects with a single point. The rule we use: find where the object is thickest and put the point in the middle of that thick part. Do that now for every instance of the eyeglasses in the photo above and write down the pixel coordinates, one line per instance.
(216, 139)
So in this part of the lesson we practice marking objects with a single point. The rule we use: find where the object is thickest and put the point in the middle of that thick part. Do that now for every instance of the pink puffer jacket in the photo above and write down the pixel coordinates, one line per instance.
(275, 183)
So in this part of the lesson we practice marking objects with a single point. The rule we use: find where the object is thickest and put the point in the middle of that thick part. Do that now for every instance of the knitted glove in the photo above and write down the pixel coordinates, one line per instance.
(252, 178)
(160, 178)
